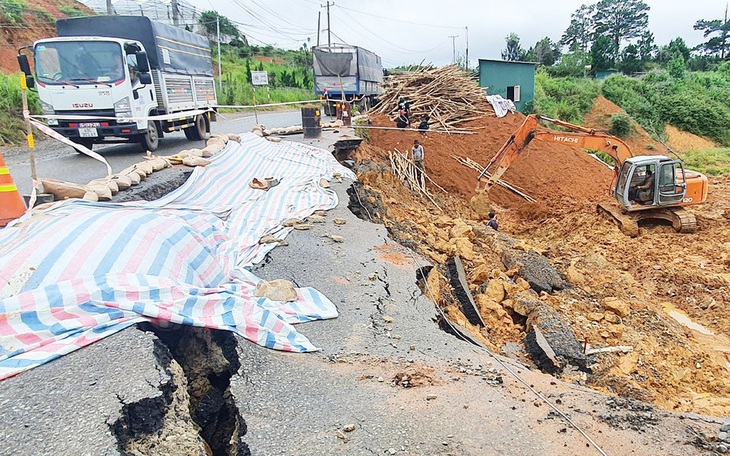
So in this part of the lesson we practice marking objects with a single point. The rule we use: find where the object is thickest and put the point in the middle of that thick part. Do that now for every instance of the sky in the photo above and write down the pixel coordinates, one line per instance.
(405, 32)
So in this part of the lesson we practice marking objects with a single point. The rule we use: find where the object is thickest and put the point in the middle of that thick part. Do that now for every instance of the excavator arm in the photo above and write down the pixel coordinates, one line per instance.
(586, 138)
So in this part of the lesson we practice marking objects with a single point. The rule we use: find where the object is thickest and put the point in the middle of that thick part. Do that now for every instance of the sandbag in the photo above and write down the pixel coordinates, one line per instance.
(214, 138)
(146, 167)
(195, 161)
(123, 181)
(132, 175)
(111, 183)
(234, 137)
(158, 163)
(62, 190)
(102, 191)
(91, 196)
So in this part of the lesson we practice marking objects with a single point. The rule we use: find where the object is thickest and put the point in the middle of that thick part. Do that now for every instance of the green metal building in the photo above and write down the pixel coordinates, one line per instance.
(513, 80)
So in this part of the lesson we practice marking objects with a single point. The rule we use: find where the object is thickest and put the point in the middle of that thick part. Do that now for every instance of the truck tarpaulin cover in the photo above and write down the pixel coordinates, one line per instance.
(369, 66)
(170, 49)
(334, 63)
(80, 271)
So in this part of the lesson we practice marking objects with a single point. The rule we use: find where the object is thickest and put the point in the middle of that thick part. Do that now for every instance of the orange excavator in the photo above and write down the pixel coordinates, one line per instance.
(644, 187)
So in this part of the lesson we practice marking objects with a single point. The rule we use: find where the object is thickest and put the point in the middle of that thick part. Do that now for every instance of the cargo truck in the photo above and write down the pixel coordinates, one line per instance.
(104, 76)
(348, 73)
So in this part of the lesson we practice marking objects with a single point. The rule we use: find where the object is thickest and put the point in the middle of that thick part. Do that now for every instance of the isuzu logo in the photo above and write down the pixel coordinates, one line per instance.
(82, 105)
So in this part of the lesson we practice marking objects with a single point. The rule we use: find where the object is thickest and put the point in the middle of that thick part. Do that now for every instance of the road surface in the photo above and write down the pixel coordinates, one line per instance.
(58, 161)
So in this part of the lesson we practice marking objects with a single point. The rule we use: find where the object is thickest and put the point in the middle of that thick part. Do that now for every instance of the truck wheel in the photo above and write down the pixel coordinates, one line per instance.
(198, 131)
(150, 140)
(88, 143)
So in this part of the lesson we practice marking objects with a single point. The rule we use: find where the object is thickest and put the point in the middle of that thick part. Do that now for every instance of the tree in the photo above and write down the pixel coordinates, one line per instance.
(621, 20)
(572, 64)
(209, 21)
(675, 47)
(630, 61)
(602, 53)
(677, 66)
(579, 33)
(646, 46)
(717, 45)
(546, 52)
(513, 51)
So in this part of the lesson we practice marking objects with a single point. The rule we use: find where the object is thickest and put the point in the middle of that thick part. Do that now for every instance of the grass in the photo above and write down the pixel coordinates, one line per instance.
(12, 127)
(713, 162)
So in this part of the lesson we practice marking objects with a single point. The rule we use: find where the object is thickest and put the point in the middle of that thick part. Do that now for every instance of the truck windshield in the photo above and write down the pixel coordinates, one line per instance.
(79, 62)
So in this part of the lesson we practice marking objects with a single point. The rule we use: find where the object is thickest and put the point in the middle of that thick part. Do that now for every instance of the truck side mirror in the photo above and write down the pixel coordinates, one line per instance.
(24, 65)
(25, 68)
(145, 78)
(143, 65)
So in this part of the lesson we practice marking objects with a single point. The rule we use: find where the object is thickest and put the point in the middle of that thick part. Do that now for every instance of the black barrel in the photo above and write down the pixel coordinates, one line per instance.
(311, 122)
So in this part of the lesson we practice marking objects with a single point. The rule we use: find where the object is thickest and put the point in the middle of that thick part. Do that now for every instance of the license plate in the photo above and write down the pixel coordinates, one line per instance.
(89, 124)
(88, 132)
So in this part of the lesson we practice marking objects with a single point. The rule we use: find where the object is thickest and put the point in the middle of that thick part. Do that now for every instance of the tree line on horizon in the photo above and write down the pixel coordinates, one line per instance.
(597, 32)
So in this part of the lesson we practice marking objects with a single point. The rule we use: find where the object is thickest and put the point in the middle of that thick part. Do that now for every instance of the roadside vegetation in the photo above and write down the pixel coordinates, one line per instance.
(12, 127)
(289, 71)
(564, 98)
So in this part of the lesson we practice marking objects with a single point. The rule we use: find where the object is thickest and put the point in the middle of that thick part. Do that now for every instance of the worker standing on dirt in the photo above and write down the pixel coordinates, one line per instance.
(493, 223)
(417, 155)
(423, 126)
(402, 121)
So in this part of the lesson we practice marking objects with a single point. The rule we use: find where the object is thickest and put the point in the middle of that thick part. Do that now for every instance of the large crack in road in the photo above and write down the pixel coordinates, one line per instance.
(196, 411)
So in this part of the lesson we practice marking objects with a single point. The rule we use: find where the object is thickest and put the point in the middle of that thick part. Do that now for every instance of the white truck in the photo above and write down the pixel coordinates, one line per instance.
(103, 77)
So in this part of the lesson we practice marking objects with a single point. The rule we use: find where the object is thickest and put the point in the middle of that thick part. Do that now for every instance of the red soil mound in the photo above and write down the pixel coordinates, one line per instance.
(556, 175)
(639, 140)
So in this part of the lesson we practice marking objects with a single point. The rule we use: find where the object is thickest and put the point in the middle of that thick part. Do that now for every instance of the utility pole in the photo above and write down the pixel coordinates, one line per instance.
(467, 48)
(319, 20)
(329, 30)
(175, 14)
(218, 32)
(109, 7)
(453, 46)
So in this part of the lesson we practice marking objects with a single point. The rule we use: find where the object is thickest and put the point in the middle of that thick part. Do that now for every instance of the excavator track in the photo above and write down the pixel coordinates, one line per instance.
(681, 220)
(625, 222)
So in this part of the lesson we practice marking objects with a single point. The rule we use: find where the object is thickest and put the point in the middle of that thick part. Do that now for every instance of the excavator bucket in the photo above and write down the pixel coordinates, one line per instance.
(480, 202)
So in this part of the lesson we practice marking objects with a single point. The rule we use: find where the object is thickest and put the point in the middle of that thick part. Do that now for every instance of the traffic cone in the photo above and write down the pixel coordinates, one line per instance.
(11, 203)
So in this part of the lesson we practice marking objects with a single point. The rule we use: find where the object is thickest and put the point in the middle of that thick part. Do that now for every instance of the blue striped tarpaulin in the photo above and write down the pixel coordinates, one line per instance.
(79, 271)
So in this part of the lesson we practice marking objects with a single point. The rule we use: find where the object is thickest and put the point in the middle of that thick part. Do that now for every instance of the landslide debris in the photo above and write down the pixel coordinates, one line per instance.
(608, 289)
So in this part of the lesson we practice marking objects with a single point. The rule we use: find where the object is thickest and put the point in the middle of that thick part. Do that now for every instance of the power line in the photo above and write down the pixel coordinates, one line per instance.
(398, 48)
(398, 20)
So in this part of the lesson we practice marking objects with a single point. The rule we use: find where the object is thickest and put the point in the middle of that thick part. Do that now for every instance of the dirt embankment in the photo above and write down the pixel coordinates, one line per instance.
(36, 21)
(622, 290)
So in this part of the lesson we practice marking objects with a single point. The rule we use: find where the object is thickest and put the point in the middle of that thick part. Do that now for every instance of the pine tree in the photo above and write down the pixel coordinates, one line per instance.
(579, 33)
(717, 45)
(621, 20)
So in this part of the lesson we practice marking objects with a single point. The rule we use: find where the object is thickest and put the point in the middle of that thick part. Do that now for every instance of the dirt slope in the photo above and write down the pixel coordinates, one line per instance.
(658, 273)
(38, 21)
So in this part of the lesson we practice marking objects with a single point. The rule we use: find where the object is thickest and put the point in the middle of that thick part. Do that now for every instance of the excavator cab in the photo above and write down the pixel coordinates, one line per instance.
(668, 186)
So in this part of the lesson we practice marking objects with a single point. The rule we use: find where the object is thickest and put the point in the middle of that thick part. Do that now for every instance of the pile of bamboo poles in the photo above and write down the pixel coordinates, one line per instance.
(410, 175)
(447, 95)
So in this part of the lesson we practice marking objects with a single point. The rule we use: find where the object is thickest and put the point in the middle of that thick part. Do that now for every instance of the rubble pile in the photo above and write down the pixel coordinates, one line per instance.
(559, 278)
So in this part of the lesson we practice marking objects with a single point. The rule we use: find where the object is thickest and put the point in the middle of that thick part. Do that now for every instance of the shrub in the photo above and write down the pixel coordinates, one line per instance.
(12, 11)
(710, 161)
(620, 125)
(71, 11)
(12, 127)
(566, 99)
